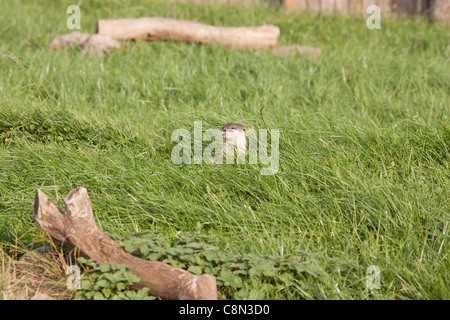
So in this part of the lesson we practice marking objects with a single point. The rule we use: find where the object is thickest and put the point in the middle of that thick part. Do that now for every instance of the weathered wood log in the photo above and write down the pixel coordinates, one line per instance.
(68, 40)
(155, 28)
(90, 43)
(76, 227)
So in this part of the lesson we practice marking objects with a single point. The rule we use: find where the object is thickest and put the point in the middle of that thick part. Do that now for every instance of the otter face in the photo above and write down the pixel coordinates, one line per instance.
(231, 129)
(235, 138)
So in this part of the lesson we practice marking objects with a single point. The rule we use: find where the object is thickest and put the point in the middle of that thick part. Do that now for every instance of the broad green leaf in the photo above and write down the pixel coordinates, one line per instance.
(106, 292)
(143, 248)
(154, 256)
(121, 286)
(211, 255)
(103, 283)
(195, 270)
(255, 294)
(99, 296)
(104, 267)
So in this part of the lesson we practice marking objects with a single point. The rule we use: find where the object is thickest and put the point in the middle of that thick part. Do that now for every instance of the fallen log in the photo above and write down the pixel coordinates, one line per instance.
(76, 228)
(155, 28)
(68, 40)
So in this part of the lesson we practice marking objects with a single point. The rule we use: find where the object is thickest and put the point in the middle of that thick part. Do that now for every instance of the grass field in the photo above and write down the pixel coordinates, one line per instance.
(364, 147)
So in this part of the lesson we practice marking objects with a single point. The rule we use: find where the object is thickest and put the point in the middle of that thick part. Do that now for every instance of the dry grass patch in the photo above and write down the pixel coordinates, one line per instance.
(38, 274)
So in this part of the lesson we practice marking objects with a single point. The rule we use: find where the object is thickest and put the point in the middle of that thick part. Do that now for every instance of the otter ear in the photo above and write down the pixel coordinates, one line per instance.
(244, 129)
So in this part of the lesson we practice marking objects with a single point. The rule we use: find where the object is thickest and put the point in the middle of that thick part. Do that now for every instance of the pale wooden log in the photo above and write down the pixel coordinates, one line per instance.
(90, 43)
(100, 45)
(155, 28)
(68, 40)
(76, 227)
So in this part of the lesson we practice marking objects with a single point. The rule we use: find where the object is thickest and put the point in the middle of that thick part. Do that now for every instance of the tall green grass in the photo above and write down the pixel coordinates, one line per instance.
(364, 146)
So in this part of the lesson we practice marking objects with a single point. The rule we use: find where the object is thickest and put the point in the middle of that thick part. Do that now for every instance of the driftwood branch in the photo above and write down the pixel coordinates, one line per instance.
(76, 227)
(155, 28)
